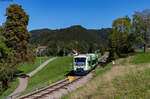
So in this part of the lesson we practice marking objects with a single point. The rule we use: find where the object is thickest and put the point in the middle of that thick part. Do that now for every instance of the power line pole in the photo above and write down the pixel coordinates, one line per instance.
(40, 57)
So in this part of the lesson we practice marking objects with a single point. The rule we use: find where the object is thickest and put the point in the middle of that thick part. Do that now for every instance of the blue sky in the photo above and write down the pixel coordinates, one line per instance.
(91, 14)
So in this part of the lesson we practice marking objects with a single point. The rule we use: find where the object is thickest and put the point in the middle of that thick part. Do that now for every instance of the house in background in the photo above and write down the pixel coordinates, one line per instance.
(41, 49)
(75, 52)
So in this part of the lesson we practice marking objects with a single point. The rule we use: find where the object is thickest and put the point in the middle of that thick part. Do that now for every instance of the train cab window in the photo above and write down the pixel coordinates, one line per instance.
(80, 61)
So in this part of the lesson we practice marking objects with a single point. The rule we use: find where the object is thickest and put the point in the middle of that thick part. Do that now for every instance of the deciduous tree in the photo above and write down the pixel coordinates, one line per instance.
(141, 26)
(120, 35)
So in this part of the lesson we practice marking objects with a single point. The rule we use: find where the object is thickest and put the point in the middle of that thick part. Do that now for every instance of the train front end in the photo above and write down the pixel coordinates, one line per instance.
(80, 65)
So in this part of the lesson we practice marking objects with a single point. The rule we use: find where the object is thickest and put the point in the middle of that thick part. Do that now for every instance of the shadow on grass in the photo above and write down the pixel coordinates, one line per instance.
(20, 74)
(70, 73)
(130, 54)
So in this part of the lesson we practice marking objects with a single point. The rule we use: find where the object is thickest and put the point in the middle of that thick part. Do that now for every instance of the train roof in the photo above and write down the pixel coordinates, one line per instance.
(85, 55)
(91, 54)
(81, 55)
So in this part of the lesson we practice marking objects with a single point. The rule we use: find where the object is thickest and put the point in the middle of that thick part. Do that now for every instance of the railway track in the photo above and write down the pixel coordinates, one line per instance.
(47, 92)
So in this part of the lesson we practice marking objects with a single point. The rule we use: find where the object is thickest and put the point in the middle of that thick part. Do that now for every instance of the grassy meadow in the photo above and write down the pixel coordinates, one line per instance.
(25, 68)
(55, 70)
(128, 79)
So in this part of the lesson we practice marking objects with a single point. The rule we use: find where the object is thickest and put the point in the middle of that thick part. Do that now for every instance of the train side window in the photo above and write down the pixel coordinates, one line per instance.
(93, 62)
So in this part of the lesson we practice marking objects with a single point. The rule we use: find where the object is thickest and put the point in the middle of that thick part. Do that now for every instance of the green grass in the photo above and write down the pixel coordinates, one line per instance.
(12, 86)
(55, 70)
(129, 86)
(141, 58)
(99, 55)
(25, 68)
(133, 85)
(101, 71)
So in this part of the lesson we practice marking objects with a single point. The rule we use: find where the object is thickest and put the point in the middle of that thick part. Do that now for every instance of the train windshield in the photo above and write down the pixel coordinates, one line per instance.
(80, 61)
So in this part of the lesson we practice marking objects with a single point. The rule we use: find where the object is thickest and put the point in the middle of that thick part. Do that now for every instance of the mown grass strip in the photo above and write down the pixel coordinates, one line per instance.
(25, 68)
(55, 70)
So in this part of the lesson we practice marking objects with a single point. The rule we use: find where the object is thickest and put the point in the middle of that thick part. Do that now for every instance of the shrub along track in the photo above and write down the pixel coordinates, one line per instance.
(62, 87)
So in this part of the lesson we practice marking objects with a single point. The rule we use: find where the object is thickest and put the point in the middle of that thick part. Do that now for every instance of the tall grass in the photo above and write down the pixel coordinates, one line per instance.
(131, 86)
(128, 79)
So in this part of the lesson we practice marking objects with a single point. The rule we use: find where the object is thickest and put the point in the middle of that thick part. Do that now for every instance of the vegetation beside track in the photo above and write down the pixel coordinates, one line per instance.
(23, 68)
(12, 86)
(119, 81)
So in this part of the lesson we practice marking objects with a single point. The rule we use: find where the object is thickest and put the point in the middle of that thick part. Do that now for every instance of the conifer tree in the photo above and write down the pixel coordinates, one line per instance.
(16, 33)
(7, 66)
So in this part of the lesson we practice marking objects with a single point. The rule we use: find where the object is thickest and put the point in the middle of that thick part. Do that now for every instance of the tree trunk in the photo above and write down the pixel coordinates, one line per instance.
(5, 83)
(144, 48)
(144, 42)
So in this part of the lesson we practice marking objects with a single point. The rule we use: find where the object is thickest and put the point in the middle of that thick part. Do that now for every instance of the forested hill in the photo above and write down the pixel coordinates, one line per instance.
(74, 34)
(43, 36)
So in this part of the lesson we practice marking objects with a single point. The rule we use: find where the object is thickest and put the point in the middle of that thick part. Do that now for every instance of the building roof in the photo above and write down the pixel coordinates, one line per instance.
(42, 47)
(75, 51)
(81, 56)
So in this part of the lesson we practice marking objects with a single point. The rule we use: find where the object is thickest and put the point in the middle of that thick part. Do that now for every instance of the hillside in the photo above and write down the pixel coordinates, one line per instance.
(79, 33)
(63, 41)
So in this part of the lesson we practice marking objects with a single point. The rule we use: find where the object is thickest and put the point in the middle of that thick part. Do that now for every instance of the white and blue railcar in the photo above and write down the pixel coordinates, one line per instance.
(84, 63)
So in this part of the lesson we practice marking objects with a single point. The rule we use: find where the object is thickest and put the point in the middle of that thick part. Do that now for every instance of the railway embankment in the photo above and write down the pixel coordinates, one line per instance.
(127, 79)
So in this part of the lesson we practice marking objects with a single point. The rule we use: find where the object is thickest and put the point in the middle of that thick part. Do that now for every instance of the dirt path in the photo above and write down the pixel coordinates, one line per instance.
(21, 87)
(41, 66)
(23, 82)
